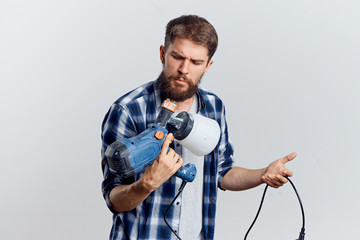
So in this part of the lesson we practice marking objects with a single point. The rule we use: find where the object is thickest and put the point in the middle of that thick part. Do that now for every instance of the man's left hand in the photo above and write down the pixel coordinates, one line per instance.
(275, 173)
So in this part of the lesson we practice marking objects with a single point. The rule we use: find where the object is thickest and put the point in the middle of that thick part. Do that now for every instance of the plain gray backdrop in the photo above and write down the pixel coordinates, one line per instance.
(288, 72)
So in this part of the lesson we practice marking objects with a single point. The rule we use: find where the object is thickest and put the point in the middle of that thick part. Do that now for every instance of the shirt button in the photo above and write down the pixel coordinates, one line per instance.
(178, 144)
(177, 203)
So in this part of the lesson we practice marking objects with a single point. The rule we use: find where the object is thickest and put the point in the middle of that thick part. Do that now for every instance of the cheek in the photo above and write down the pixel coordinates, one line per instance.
(198, 73)
(171, 65)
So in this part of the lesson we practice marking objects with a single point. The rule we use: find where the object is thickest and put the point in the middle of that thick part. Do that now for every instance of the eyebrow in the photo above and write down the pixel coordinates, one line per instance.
(179, 55)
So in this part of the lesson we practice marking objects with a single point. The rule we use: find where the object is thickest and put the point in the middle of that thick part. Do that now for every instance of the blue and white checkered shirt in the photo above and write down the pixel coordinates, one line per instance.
(129, 116)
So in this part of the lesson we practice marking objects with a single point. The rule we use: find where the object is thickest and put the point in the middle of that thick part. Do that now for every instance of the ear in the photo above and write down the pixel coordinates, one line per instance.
(162, 54)
(208, 65)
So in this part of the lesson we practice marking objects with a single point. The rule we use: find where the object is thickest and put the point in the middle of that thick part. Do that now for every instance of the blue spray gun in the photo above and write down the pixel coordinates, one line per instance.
(130, 156)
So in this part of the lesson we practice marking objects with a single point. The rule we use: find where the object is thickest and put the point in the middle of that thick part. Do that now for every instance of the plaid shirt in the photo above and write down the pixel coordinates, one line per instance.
(129, 116)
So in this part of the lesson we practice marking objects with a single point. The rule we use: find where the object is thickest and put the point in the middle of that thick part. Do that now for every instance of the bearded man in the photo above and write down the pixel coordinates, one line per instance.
(138, 203)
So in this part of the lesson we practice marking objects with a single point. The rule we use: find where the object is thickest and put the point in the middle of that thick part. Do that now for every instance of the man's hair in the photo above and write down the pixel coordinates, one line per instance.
(194, 28)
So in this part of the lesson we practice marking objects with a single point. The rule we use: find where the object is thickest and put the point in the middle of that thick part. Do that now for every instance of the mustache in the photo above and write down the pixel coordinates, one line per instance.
(179, 76)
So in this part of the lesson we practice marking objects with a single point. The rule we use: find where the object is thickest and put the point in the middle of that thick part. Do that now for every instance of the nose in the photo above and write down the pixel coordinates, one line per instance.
(184, 67)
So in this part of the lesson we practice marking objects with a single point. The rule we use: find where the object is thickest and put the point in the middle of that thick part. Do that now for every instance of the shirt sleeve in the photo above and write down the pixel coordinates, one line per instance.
(117, 124)
(225, 153)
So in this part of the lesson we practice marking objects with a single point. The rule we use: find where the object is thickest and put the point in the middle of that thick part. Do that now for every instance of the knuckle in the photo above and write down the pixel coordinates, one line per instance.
(160, 158)
(167, 165)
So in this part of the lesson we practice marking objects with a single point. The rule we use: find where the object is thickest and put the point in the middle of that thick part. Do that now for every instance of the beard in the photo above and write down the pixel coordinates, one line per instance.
(174, 91)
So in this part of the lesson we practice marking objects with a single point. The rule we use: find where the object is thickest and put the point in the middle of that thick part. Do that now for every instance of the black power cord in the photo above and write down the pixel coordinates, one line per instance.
(302, 232)
(167, 210)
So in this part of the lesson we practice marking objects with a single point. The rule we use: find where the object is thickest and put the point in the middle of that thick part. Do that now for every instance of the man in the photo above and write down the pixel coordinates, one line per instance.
(139, 203)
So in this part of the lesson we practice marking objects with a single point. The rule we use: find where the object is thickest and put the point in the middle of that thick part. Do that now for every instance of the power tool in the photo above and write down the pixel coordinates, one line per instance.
(129, 156)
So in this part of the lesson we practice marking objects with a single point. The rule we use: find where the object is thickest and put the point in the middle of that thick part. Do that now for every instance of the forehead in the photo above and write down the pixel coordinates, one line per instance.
(189, 49)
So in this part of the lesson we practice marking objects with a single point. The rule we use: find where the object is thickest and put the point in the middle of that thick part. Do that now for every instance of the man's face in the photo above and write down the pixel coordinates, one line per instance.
(184, 63)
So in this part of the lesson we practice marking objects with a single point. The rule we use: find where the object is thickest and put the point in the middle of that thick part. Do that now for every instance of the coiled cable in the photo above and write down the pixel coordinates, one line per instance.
(302, 232)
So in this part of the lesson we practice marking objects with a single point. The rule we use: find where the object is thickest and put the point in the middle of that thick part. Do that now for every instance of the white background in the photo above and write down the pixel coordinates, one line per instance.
(288, 72)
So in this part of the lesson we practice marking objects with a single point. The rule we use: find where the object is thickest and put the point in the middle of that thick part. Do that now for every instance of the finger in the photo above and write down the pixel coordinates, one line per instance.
(275, 180)
(288, 158)
(281, 179)
(287, 173)
(168, 139)
(275, 186)
(268, 181)
(171, 153)
(179, 162)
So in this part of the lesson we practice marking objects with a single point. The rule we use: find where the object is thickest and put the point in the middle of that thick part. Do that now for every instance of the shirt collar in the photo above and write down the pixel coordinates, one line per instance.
(158, 100)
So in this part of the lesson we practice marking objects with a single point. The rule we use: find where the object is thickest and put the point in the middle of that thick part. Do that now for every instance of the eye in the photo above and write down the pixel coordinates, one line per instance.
(177, 56)
(198, 62)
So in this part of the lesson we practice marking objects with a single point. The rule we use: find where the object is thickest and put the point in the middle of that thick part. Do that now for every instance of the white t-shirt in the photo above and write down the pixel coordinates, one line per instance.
(192, 196)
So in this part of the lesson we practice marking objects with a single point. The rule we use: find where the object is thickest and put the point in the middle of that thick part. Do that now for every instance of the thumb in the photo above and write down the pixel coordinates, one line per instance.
(288, 157)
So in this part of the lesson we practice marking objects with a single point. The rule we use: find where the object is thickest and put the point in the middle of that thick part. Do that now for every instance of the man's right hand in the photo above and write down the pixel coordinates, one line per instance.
(127, 197)
(166, 165)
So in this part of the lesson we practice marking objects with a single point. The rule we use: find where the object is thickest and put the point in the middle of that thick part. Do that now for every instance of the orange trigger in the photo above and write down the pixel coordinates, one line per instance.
(159, 135)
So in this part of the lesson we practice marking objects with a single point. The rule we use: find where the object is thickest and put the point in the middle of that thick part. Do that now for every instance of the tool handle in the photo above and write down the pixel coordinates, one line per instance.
(187, 172)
